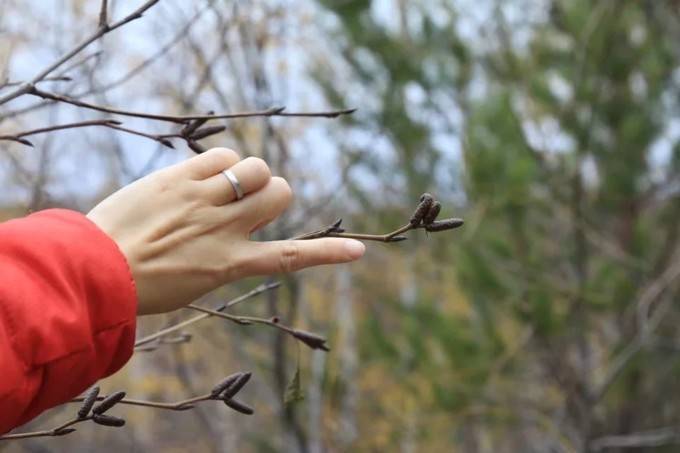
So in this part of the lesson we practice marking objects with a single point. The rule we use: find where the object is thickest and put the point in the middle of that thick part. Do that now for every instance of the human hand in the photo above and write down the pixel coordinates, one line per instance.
(184, 234)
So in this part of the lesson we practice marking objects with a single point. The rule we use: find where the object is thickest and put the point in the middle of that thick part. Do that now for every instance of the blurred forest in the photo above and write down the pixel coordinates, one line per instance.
(546, 324)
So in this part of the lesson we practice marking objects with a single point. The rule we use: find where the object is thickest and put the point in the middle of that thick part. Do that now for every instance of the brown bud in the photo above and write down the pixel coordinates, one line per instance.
(63, 431)
(398, 238)
(23, 141)
(165, 142)
(108, 402)
(239, 407)
(443, 225)
(207, 132)
(89, 401)
(226, 382)
(336, 228)
(276, 110)
(107, 420)
(426, 201)
(312, 340)
(432, 213)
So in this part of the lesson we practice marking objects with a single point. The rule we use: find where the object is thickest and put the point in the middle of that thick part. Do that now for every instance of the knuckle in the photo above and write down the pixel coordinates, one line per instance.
(224, 272)
(260, 167)
(189, 193)
(289, 258)
(162, 181)
(284, 188)
(226, 154)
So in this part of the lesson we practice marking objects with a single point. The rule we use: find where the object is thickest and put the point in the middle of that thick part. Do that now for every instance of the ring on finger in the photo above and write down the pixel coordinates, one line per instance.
(231, 177)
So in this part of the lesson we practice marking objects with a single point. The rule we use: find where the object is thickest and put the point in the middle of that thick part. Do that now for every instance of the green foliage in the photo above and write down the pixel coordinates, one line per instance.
(294, 392)
(570, 212)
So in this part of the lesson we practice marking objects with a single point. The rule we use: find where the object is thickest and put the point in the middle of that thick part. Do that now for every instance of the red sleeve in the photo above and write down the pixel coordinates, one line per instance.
(67, 311)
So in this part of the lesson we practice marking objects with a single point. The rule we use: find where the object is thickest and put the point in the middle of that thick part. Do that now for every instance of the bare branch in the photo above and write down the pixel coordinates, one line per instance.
(111, 124)
(101, 31)
(183, 119)
(650, 438)
(424, 217)
(254, 292)
(59, 78)
(104, 15)
(312, 340)
(225, 391)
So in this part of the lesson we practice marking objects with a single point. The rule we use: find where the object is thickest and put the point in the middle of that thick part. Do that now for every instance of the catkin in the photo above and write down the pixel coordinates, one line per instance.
(443, 225)
(236, 386)
(89, 401)
(432, 213)
(107, 420)
(108, 403)
(426, 201)
(207, 132)
(219, 388)
(239, 407)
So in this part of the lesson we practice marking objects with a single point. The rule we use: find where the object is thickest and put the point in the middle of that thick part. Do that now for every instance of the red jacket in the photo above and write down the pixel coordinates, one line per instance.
(67, 311)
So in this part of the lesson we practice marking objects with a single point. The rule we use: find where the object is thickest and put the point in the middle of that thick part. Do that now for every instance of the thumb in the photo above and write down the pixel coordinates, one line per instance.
(265, 258)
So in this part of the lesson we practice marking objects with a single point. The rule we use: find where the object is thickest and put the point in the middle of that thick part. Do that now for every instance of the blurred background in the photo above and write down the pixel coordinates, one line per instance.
(548, 323)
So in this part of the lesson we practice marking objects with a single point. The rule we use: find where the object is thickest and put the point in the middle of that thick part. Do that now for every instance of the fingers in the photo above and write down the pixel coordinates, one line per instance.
(252, 174)
(265, 205)
(209, 163)
(265, 258)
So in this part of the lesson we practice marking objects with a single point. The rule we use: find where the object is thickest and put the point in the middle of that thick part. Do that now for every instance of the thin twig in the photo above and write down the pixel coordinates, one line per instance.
(101, 31)
(225, 391)
(104, 15)
(111, 124)
(182, 119)
(61, 78)
(250, 294)
(312, 340)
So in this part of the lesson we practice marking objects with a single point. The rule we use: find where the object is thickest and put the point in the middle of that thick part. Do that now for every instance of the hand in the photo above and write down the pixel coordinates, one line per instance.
(184, 234)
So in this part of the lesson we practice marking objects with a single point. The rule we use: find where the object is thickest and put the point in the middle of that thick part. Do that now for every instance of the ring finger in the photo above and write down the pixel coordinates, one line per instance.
(251, 173)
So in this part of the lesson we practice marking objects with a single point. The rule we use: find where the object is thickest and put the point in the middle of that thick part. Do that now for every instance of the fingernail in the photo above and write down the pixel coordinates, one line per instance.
(355, 249)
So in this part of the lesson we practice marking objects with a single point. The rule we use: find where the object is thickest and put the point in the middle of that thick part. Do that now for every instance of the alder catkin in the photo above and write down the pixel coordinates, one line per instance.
(207, 132)
(108, 403)
(88, 402)
(191, 127)
(107, 420)
(432, 213)
(426, 201)
(236, 386)
(226, 382)
(239, 407)
(195, 146)
(443, 225)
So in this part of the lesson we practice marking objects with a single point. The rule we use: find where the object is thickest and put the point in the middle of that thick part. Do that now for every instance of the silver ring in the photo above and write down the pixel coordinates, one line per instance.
(234, 183)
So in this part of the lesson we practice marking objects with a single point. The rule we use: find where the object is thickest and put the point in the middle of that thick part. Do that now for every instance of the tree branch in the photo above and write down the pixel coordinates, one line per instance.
(25, 88)
(651, 438)
(182, 119)
(249, 295)
(225, 391)
(111, 124)
(424, 217)
(312, 340)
